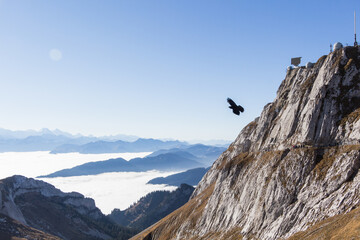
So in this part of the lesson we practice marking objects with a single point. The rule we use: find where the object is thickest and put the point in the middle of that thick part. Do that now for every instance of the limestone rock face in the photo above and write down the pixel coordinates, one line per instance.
(295, 165)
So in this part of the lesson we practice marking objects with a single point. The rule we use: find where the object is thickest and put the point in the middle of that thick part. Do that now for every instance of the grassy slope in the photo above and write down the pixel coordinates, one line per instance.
(339, 227)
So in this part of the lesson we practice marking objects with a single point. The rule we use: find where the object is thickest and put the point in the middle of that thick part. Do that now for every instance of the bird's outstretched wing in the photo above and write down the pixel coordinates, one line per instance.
(241, 109)
(232, 103)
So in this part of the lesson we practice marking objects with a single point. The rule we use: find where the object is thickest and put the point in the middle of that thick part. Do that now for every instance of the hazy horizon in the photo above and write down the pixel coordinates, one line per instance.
(114, 135)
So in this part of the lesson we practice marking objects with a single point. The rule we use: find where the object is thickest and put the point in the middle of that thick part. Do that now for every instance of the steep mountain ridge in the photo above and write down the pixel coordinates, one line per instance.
(152, 207)
(295, 165)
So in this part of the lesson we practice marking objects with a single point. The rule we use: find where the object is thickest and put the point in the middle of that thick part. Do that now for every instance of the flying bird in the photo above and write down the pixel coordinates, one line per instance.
(236, 108)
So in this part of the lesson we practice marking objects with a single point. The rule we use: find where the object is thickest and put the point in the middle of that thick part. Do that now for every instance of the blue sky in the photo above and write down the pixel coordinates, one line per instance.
(155, 68)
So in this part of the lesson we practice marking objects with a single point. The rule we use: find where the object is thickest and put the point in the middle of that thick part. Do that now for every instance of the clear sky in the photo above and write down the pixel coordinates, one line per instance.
(155, 68)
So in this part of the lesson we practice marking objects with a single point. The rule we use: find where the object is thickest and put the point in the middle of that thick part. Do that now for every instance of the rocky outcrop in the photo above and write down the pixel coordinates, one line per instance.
(39, 205)
(11, 188)
(295, 165)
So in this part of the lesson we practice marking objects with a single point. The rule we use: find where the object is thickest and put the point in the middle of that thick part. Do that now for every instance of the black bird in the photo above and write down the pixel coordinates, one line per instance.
(236, 108)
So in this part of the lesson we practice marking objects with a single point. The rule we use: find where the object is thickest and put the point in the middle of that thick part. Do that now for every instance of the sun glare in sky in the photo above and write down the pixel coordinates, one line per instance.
(55, 54)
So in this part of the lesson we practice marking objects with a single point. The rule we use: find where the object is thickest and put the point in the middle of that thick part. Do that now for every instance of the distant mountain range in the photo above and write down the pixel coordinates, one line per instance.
(191, 177)
(47, 140)
(164, 160)
(44, 142)
(57, 141)
(205, 154)
(140, 145)
(21, 134)
(151, 208)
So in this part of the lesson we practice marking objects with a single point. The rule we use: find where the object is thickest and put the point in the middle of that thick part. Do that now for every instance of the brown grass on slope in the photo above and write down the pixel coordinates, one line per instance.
(339, 227)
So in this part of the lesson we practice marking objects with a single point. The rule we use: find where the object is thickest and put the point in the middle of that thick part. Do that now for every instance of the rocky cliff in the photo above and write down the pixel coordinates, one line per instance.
(290, 170)
(34, 204)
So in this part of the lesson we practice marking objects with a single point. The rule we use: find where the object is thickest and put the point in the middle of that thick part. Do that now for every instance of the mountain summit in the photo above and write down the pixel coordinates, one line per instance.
(293, 168)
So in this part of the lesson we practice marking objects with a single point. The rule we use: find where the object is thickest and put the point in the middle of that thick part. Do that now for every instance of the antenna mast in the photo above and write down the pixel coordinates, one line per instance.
(355, 43)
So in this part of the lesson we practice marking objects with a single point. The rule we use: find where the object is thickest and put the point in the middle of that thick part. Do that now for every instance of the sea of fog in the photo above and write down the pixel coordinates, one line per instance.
(112, 190)
(109, 190)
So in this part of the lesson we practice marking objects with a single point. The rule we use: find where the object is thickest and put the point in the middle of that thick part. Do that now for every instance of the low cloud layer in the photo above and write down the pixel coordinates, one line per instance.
(109, 190)
(112, 190)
